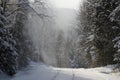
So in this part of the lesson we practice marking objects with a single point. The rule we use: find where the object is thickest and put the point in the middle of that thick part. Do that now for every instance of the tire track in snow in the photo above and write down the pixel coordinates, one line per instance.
(54, 78)
(73, 75)
(65, 74)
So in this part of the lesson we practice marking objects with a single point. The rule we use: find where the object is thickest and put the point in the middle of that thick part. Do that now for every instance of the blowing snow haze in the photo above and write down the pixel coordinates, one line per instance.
(72, 4)
(65, 13)
(65, 18)
(59, 40)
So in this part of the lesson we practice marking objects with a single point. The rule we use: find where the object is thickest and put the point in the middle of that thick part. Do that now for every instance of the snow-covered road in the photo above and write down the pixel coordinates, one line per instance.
(42, 72)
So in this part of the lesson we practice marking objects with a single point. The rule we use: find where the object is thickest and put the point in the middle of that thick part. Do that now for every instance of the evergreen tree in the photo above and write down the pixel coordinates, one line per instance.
(8, 52)
(104, 33)
(115, 19)
(60, 49)
(85, 32)
(96, 31)
(18, 33)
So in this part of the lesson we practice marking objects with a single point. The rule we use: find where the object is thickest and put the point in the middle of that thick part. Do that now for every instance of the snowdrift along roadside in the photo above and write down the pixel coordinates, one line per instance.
(42, 72)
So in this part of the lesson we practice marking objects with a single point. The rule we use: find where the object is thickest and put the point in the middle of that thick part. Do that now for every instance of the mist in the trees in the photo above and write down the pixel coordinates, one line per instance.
(65, 33)
(45, 29)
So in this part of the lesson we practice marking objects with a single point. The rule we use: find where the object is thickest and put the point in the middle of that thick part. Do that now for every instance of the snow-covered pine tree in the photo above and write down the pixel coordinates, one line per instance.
(85, 32)
(19, 31)
(8, 53)
(60, 49)
(104, 33)
(115, 19)
(96, 32)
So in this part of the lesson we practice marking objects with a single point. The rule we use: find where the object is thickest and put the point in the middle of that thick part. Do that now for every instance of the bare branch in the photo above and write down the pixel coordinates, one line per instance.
(13, 12)
(39, 14)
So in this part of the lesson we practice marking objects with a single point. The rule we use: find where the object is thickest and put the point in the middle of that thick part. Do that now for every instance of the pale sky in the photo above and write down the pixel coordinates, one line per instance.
(73, 4)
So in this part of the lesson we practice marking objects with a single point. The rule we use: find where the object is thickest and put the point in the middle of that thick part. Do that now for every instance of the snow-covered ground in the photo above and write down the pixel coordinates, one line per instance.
(42, 72)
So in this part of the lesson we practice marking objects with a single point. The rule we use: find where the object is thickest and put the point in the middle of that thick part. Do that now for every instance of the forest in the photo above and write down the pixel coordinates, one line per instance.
(33, 31)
